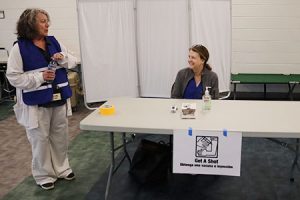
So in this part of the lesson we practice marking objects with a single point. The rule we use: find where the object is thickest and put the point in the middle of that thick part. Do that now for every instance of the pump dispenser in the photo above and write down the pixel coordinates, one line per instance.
(206, 99)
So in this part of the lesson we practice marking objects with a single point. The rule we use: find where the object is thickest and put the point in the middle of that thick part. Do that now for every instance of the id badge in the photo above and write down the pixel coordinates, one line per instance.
(56, 97)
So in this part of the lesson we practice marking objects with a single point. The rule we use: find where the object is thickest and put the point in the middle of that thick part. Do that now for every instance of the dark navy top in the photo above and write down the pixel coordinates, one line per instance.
(192, 91)
(50, 104)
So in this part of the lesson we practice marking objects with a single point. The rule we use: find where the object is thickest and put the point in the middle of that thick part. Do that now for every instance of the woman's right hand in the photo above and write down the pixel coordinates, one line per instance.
(49, 75)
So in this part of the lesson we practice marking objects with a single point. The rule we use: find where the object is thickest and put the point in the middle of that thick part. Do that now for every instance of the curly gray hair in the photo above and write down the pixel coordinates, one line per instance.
(26, 25)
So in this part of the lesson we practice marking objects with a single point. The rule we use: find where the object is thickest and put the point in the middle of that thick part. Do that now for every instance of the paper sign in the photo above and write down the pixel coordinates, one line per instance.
(207, 152)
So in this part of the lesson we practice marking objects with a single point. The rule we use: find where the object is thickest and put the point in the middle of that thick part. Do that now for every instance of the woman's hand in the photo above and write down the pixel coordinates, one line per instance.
(49, 75)
(57, 57)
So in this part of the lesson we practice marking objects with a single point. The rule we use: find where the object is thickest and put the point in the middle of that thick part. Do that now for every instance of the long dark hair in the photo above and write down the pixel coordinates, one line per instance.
(203, 53)
(26, 25)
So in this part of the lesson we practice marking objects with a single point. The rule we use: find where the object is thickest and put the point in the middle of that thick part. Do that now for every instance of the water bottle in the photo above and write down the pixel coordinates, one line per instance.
(52, 66)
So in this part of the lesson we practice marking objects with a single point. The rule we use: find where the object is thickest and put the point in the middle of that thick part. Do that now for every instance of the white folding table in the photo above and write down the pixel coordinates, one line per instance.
(267, 119)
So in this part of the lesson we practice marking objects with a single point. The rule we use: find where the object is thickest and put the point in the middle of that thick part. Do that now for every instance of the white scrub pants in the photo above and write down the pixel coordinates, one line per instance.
(49, 144)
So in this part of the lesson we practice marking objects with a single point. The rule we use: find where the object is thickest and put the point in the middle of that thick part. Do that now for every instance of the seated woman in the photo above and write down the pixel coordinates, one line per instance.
(191, 82)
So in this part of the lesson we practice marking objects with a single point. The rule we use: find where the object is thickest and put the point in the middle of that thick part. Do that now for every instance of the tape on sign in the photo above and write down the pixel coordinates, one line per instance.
(107, 109)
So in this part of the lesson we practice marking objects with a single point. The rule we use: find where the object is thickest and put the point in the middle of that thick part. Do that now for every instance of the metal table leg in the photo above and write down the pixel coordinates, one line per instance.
(234, 91)
(292, 86)
(265, 91)
(112, 165)
(295, 163)
(125, 148)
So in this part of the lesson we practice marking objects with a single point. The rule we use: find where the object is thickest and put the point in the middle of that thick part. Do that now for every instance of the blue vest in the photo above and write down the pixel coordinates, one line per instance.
(33, 59)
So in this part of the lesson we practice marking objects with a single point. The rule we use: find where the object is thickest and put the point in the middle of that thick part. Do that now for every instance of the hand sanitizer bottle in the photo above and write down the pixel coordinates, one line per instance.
(206, 100)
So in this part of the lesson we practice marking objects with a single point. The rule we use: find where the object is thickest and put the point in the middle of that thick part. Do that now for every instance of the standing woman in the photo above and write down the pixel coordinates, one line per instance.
(190, 82)
(42, 96)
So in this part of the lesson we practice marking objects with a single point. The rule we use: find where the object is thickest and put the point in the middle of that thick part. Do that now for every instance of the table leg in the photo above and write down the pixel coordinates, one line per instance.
(125, 148)
(234, 91)
(265, 90)
(291, 89)
(295, 163)
(112, 165)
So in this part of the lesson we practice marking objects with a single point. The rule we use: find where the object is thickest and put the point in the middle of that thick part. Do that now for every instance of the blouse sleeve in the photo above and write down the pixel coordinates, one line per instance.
(16, 75)
(69, 61)
(215, 87)
(176, 87)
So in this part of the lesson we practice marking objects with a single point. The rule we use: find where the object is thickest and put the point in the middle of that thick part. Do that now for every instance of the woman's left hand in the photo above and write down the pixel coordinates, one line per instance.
(57, 57)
